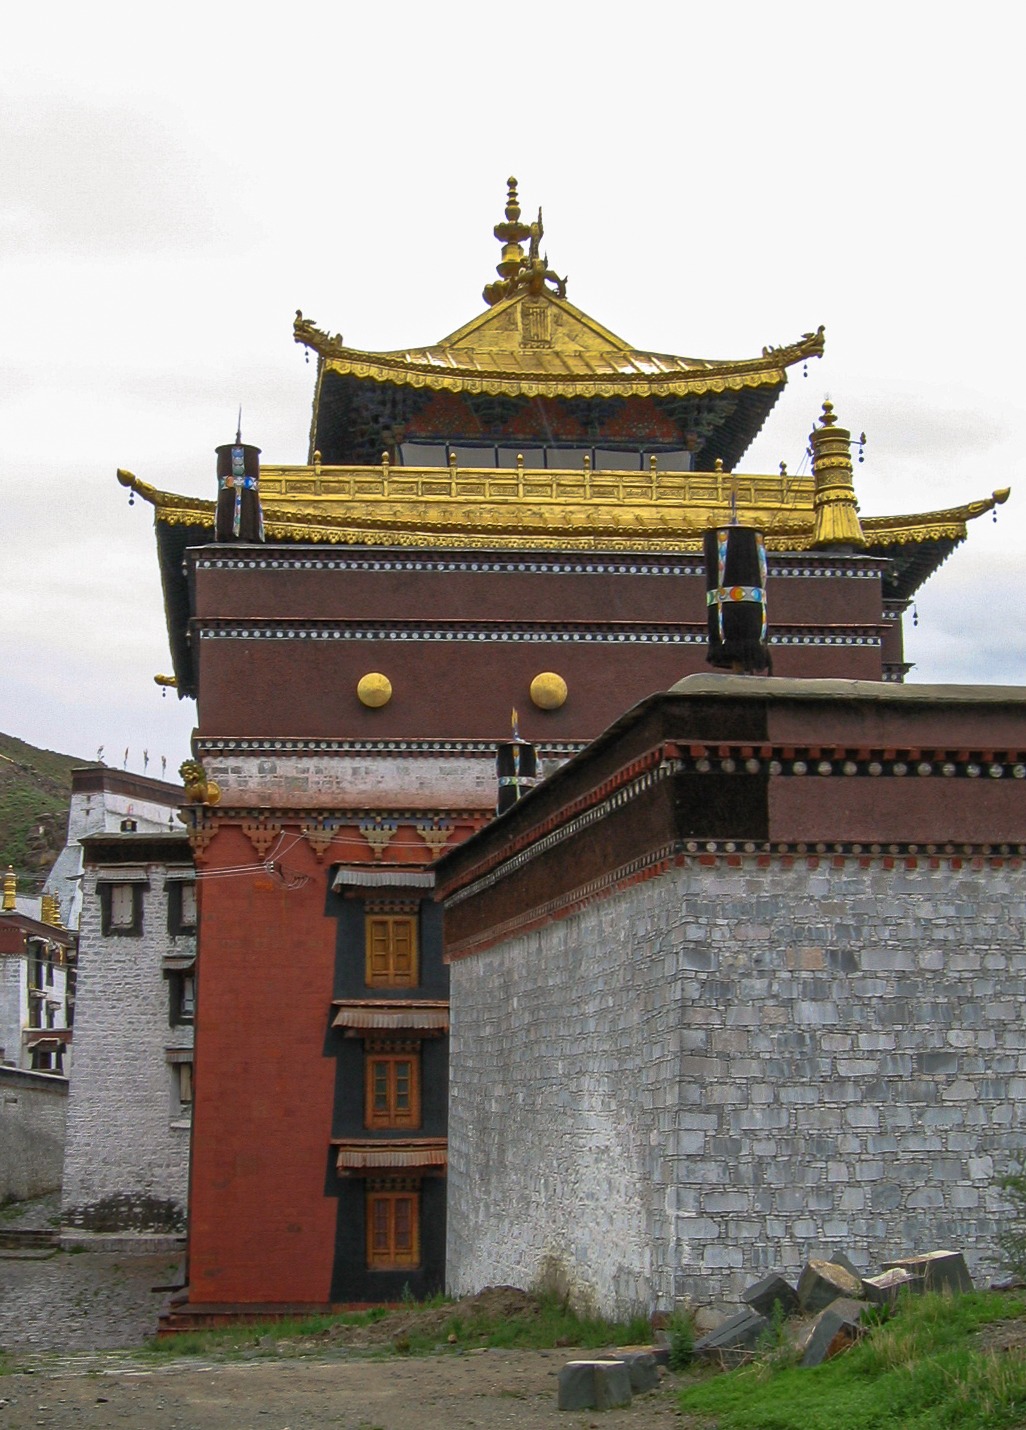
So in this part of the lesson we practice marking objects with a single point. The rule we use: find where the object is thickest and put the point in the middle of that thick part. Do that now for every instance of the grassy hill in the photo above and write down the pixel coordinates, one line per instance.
(35, 791)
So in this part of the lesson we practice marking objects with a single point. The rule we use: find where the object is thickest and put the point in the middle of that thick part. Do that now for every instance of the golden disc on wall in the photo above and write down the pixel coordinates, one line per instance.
(374, 690)
(548, 690)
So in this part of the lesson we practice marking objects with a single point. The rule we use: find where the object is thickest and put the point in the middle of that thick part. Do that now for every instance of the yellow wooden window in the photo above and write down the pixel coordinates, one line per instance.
(392, 1090)
(393, 1230)
(391, 951)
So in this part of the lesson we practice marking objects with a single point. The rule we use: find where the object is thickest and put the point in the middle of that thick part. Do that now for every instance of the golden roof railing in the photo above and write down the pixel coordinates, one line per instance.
(388, 482)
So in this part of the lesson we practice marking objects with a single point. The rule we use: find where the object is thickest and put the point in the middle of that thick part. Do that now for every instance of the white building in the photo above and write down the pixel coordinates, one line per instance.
(37, 984)
(126, 1166)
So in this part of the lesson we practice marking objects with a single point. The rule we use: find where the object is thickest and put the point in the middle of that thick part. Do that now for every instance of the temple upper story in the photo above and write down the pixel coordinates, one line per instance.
(533, 376)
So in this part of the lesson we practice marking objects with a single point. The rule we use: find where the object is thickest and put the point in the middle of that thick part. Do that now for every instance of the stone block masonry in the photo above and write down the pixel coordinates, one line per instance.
(713, 1073)
(127, 1159)
(33, 1113)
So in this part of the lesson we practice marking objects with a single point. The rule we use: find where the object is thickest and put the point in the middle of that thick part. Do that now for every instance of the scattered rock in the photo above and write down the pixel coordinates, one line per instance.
(883, 1290)
(834, 1330)
(739, 1333)
(769, 1292)
(641, 1367)
(940, 1270)
(594, 1385)
(824, 1281)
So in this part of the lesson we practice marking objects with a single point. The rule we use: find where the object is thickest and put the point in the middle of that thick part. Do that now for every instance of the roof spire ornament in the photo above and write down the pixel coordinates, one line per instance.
(517, 273)
(834, 505)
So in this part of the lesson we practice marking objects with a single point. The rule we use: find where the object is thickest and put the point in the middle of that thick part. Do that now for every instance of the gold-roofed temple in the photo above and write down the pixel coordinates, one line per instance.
(509, 519)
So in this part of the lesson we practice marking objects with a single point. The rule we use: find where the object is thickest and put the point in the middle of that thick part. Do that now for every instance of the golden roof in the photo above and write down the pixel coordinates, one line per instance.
(533, 342)
(579, 358)
(545, 509)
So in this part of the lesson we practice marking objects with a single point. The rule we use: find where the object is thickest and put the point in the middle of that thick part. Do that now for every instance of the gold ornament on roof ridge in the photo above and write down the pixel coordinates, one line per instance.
(518, 274)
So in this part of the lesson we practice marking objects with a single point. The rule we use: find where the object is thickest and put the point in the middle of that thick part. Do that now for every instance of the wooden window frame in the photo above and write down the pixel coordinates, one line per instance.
(385, 1211)
(180, 1009)
(177, 920)
(392, 975)
(390, 1058)
(107, 925)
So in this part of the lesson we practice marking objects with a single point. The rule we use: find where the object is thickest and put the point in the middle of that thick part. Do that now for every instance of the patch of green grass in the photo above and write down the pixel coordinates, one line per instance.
(254, 1337)
(919, 1370)
(554, 1324)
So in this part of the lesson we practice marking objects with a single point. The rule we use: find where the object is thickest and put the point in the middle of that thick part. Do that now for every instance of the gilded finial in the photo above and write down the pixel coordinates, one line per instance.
(10, 891)
(836, 510)
(517, 271)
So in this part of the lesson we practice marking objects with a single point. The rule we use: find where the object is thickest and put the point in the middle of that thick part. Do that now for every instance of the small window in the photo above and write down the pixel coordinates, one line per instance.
(121, 908)
(48, 1059)
(187, 918)
(393, 1230)
(181, 996)
(183, 1072)
(392, 1090)
(391, 951)
(181, 906)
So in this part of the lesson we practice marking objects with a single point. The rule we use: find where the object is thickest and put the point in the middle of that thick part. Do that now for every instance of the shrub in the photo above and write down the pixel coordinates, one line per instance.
(1012, 1239)
(681, 1332)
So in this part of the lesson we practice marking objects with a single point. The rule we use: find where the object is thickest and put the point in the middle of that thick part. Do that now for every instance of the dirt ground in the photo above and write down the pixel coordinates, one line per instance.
(486, 1389)
(67, 1323)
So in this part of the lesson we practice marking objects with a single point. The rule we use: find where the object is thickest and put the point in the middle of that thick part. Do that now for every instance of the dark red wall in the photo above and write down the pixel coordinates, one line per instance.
(260, 1226)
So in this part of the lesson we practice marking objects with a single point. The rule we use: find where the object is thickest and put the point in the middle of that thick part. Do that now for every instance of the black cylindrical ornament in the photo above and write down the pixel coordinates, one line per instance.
(735, 581)
(516, 767)
(239, 515)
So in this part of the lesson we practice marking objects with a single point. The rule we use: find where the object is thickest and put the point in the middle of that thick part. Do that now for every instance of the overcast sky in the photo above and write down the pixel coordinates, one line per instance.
(174, 183)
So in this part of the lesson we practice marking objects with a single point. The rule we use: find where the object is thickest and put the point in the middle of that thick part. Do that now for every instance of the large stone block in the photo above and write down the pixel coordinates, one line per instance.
(824, 1281)
(577, 1386)
(885, 1289)
(940, 1270)
(739, 1333)
(769, 1292)
(834, 1330)
(642, 1368)
(595, 1385)
(612, 1384)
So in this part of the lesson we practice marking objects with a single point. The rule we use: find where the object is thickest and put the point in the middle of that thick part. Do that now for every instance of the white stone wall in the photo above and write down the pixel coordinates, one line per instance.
(33, 1109)
(126, 1165)
(720, 1071)
(13, 1006)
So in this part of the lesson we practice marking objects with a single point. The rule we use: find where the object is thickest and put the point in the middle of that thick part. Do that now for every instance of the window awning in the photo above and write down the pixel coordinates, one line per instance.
(391, 1016)
(123, 874)
(178, 1055)
(49, 1041)
(391, 878)
(391, 1156)
(180, 876)
(178, 962)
